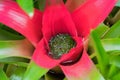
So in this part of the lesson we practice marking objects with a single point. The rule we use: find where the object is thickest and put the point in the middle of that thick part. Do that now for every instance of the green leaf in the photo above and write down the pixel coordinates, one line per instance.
(113, 70)
(114, 52)
(27, 6)
(3, 75)
(116, 77)
(40, 4)
(65, 79)
(115, 60)
(115, 65)
(19, 61)
(114, 31)
(1, 65)
(101, 29)
(9, 34)
(111, 44)
(14, 59)
(5, 35)
(15, 72)
(34, 72)
(21, 48)
(102, 57)
(113, 13)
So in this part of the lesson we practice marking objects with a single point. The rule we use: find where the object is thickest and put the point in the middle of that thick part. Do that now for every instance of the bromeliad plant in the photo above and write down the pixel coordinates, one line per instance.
(59, 35)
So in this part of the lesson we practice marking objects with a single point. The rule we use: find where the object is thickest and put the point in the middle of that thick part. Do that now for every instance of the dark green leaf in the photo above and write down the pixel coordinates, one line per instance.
(5, 35)
(9, 34)
(15, 73)
(40, 4)
(116, 17)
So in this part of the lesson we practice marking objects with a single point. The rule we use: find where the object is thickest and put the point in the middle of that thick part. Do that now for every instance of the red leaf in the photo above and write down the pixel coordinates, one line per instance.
(91, 13)
(57, 20)
(15, 18)
(82, 70)
(42, 58)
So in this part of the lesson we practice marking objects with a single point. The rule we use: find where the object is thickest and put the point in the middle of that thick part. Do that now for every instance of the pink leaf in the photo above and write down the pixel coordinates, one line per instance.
(57, 20)
(42, 58)
(88, 15)
(82, 70)
(15, 18)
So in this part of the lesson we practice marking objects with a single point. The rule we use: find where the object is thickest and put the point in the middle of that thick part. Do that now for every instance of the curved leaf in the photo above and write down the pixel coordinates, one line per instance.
(14, 17)
(34, 72)
(15, 72)
(21, 48)
(19, 61)
(111, 44)
(5, 35)
(90, 14)
(84, 69)
(101, 29)
(102, 57)
(3, 75)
